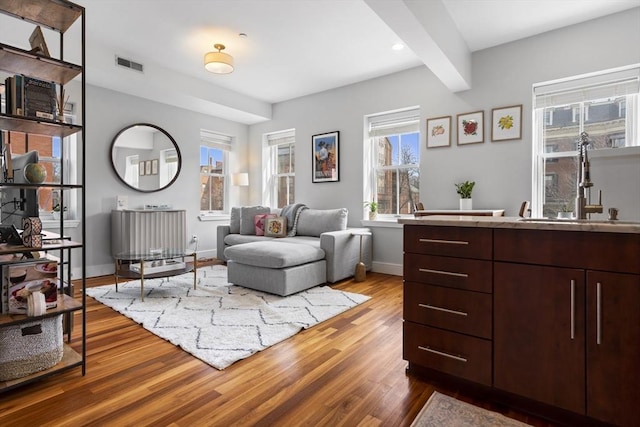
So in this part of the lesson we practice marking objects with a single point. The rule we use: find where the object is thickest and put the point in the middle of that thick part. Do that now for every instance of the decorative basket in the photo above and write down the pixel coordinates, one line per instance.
(30, 347)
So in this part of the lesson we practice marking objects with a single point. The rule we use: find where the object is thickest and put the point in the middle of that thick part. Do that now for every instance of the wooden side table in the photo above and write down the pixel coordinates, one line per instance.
(360, 273)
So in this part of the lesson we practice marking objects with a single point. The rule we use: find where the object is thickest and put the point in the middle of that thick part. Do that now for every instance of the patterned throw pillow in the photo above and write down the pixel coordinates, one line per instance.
(258, 222)
(276, 227)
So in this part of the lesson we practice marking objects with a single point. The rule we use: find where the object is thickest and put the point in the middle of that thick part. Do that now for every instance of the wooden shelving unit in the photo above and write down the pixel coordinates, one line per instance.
(57, 15)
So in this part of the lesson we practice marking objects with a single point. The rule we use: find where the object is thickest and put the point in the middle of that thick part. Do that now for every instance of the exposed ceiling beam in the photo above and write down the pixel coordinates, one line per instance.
(428, 30)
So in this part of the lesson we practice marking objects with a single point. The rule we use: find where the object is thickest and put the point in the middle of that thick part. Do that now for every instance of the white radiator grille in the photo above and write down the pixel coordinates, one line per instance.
(141, 231)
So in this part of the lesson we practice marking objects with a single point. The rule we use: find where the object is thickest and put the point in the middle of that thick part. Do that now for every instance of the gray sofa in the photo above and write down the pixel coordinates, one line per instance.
(321, 229)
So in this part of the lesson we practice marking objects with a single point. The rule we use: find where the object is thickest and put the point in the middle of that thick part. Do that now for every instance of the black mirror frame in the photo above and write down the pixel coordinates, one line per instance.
(173, 141)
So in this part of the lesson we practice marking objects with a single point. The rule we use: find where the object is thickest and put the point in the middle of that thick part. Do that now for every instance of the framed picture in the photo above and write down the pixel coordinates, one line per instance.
(325, 157)
(154, 167)
(471, 128)
(38, 45)
(147, 167)
(141, 168)
(506, 123)
(439, 132)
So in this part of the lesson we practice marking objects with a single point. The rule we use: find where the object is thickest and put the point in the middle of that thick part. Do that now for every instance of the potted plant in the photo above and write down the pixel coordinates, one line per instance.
(566, 211)
(56, 212)
(464, 189)
(373, 209)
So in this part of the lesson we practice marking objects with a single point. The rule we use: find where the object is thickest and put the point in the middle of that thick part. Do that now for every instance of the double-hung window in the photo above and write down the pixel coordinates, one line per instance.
(605, 105)
(280, 168)
(392, 161)
(214, 171)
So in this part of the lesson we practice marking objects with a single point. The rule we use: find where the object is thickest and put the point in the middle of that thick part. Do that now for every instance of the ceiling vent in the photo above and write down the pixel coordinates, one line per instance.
(127, 63)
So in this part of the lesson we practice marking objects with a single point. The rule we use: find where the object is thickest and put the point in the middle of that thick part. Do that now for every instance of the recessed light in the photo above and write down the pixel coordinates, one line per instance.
(397, 46)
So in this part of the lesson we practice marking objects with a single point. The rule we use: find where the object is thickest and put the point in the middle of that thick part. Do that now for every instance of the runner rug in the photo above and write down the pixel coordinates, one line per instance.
(221, 323)
(445, 411)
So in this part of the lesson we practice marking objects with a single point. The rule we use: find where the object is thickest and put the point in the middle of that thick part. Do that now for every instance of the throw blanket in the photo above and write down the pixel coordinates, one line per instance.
(292, 212)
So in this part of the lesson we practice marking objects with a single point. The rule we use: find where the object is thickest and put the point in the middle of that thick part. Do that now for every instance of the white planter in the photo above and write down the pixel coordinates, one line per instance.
(373, 216)
(565, 215)
(466, 204)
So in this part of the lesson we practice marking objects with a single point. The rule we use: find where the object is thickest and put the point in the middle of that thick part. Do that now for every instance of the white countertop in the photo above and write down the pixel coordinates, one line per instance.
(527, 224)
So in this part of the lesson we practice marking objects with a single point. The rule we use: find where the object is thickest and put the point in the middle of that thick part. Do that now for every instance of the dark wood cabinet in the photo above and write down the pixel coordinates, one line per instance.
(613, 347)
(539, 333)
(551, 316)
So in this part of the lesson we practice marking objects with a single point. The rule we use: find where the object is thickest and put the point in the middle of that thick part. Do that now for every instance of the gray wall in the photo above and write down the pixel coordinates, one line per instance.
(107, 113)
(501, 76)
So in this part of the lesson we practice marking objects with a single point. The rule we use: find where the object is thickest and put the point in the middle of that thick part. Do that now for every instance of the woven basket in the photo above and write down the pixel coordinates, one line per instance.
(30, 347)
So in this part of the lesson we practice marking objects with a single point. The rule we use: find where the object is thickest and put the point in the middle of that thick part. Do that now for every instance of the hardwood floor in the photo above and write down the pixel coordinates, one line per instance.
(347, 371)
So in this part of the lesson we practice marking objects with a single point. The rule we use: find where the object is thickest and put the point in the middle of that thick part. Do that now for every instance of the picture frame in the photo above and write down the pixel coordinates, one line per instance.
(141, 169)
(325, 161)
(470, 128)
(154, 167)
(506, 123)
(147, 167)
(439, 132)
(37, 42)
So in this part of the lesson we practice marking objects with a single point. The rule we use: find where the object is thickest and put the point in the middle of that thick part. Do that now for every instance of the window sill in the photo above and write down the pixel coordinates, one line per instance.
(214, 217)
(55, 223)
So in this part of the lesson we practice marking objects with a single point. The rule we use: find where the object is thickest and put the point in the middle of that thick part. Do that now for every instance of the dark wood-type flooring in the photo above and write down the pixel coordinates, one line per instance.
(346, 371)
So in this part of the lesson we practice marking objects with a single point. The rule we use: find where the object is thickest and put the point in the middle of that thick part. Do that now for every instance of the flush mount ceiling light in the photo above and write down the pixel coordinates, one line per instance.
(218, 62)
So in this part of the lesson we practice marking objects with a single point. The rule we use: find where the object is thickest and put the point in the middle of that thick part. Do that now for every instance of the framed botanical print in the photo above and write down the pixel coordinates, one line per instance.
(471, 128)
(325, 165)
(506, 123)
(439, 132)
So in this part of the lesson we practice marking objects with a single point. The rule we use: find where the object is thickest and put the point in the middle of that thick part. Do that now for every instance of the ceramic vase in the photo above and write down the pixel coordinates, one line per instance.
(466, 204)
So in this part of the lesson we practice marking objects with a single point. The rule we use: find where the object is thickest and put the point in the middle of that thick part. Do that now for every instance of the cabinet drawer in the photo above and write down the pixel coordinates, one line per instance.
(460, 273)
(466, 242)
(446, 308)
(455, 354)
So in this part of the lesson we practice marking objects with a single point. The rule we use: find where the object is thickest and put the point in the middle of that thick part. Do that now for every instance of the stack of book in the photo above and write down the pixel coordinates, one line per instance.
(30, 97)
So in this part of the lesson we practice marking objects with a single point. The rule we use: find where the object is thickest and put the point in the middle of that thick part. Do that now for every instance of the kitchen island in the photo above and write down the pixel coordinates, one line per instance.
(542, 314)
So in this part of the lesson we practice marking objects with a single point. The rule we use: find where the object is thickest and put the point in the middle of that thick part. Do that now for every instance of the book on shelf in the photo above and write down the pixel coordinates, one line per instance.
(21, 279)
(30, 97)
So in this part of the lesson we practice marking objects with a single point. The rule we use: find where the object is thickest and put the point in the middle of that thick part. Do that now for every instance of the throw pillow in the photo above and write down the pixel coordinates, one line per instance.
(247, 215)
(234, 223)
(258, 222)
(314, 222)
(276, 227)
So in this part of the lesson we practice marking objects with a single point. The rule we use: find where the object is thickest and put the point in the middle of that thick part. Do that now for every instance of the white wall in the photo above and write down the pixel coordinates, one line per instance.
(107, 113)
(502, 76)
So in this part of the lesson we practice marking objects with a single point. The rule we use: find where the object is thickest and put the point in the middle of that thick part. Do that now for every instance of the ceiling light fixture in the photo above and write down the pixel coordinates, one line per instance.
(218, 62)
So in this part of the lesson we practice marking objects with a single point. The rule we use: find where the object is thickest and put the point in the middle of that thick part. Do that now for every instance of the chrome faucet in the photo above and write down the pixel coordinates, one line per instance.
(582, 208)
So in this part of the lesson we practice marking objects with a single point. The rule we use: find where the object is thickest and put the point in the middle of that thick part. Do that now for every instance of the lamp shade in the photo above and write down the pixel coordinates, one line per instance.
(240, 179)
(218, 62)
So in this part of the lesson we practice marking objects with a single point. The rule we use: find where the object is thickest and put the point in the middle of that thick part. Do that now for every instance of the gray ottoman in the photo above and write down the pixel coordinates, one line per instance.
(279, 268)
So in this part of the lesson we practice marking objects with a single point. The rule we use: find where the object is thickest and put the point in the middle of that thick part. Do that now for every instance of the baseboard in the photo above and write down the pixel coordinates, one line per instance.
(386, 268)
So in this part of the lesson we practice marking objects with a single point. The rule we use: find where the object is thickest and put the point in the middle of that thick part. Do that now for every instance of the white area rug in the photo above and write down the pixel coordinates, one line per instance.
(221, 323)
(445, 411)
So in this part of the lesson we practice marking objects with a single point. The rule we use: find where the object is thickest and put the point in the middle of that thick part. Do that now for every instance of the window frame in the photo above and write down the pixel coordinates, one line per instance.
(272, 142)
(224, 143)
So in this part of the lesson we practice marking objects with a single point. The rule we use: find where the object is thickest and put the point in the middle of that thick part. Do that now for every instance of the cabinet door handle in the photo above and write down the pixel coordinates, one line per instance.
(442, 353)
(598, 313)
(573, 308)
(448, 242)
(447, 273)
(446, 310)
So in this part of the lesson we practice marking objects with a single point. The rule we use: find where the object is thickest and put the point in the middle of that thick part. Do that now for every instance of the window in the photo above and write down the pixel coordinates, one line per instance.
(392, 155)
(214, 170)
(605, 105)
(280, 168)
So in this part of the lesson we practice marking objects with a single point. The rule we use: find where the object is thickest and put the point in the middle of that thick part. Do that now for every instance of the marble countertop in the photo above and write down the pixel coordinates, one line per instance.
(526, 224)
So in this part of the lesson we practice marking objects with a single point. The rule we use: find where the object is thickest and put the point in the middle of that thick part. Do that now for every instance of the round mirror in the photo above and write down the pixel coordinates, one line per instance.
(145, 157)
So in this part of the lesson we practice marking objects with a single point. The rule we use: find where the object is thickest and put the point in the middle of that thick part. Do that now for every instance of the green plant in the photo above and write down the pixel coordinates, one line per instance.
(373, 206)
(464, 189)
(568, 207)
(56, 208)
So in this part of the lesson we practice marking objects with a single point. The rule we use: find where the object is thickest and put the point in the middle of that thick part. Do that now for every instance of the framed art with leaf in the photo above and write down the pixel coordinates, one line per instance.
(439, 132)
(471, 128)
(325, 162)
(506, 123)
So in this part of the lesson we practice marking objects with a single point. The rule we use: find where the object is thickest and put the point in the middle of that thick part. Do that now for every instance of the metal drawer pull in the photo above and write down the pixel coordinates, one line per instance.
(446, 310)
(440, 353)
(447, 273)
(598, 313)
(573, 309)
(450, 242)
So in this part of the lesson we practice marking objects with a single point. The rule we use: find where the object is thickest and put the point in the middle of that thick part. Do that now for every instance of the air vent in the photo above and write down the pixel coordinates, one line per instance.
(127, 63)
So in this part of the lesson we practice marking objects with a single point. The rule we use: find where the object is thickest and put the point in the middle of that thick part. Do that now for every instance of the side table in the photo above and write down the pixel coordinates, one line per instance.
(360, 273)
